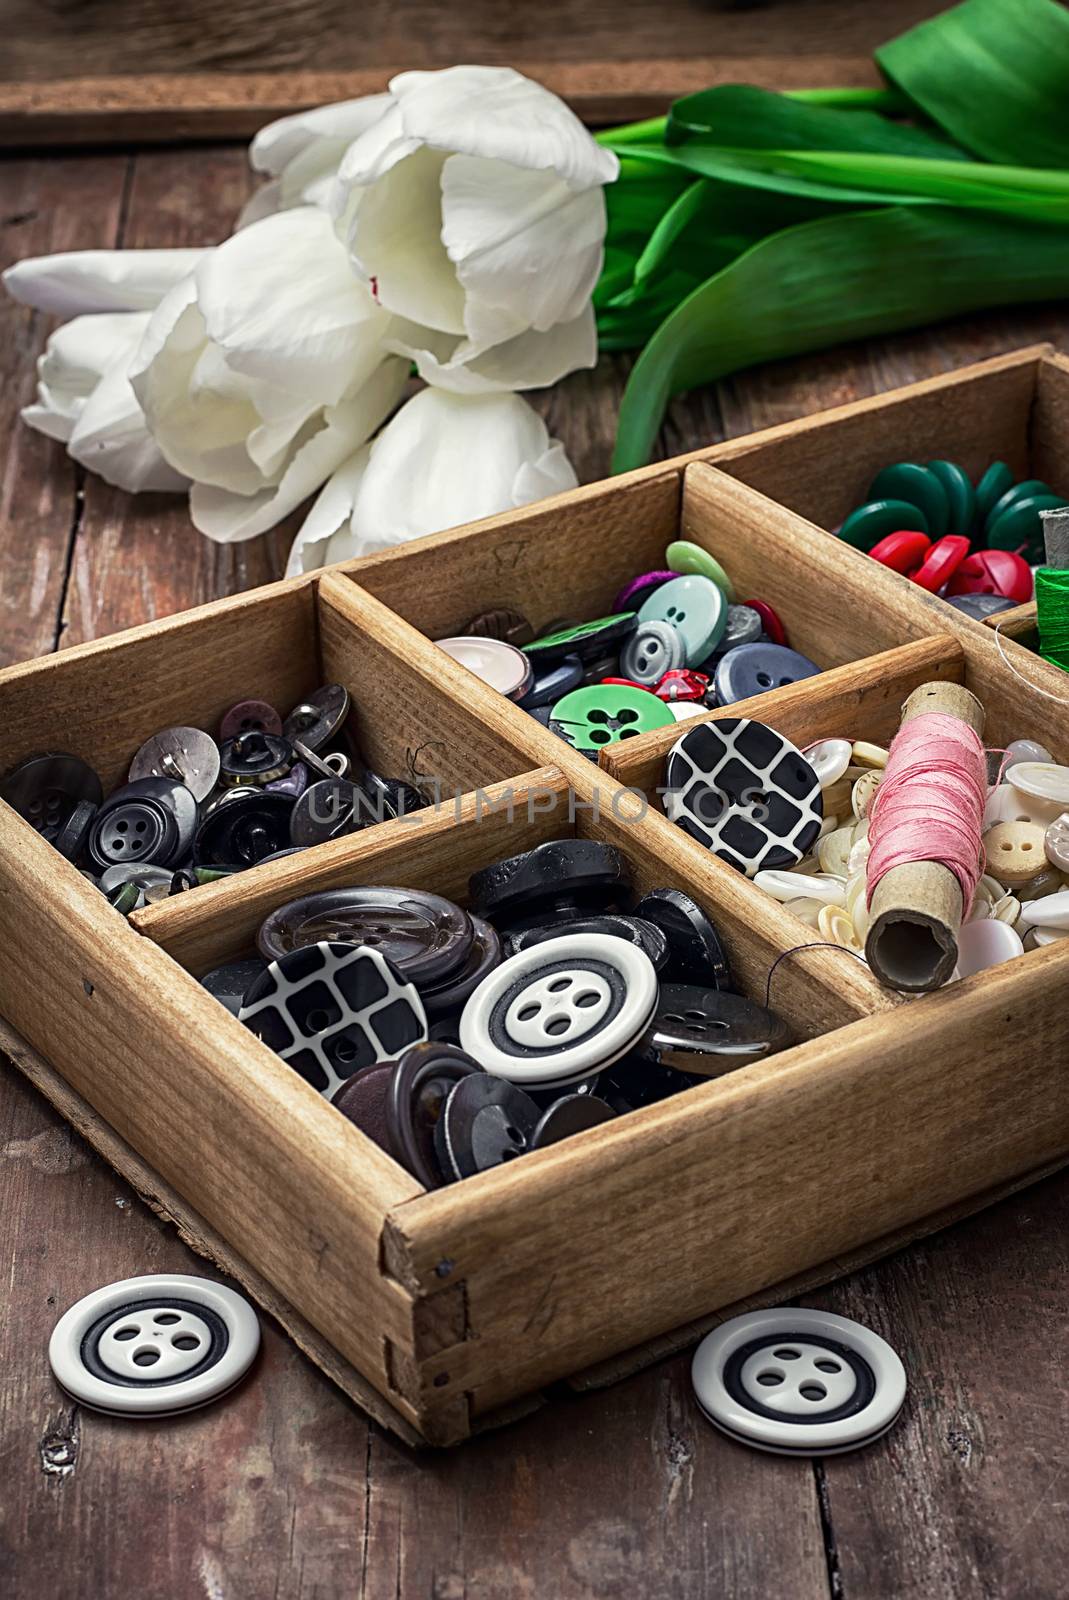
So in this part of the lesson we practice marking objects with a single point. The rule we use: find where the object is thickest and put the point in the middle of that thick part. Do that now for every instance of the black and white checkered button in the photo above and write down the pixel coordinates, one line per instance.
(557, 1011)
(745, 792)
(798, 1382)
(155, 1345)
(330, 1009)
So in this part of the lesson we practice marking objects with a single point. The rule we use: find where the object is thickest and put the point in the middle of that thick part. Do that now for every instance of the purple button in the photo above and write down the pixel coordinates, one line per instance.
(638, 589)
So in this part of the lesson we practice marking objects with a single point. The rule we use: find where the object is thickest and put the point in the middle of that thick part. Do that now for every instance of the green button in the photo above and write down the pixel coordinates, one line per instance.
(960, 494)
(1020, 526)
(584, 639)
(992, 486)
(917, 487)
(683, 556)
(1019, 491)
(606, 713)
(697, 609)
(873, 521)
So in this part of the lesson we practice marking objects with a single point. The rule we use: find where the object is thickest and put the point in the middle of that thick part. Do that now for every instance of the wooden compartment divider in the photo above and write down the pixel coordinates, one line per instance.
(887, 1114)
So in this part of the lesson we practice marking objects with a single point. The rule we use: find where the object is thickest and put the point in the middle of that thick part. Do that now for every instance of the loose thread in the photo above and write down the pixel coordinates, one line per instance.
(1059, 699)
(930, 803)
(818, 944)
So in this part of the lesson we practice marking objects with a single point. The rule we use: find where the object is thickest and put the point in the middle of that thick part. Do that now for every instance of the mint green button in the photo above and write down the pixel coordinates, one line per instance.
(606, 713)
(684, 556)
(917, 487)
(696, 607)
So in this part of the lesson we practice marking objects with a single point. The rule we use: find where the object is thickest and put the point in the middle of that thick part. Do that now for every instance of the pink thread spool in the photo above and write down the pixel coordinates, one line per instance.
(916, 908)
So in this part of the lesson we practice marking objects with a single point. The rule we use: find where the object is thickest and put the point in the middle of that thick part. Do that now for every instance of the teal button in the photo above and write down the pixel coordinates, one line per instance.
(683, 556)
(606, 713)
(917, 487)
(696, 607)
(992, 486)
(960, 494)
(1019, 528)
(1020, 491)
(876, 518)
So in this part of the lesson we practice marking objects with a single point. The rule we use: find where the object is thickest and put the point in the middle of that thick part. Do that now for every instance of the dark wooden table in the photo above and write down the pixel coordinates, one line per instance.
(284, 1489)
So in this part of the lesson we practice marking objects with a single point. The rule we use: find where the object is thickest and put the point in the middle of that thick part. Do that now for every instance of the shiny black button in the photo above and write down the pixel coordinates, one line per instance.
(45, 789)
(695, 951)
(425, 936)
(559, 879)
(243, 828)
(419, 1086)
(328, 810)
(152, 820)
(572, 1113)
(696, 1021)
(255, 757)
(486, 1122)
(636, 930)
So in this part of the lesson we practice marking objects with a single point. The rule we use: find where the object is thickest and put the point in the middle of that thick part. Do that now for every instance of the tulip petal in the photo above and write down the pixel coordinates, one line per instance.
(111, 437)
(80, 281)
(327, 535)
(283, 141)
(530, 361)
(73, 361)
(227, 517)
(395, 241)
(446, 459)
(527, 250)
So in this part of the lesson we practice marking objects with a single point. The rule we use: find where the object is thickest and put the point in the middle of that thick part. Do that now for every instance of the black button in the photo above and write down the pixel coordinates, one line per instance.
(636, 930)
(447, 995)
(152, 820)
(691, 1020)
(45, 789)
(243, 828)
(486, 1122)
(560, 879)
(695, 951)
(573, 1113)
(328, 810)
(255, 757)
(419, 1087)
(230, 983)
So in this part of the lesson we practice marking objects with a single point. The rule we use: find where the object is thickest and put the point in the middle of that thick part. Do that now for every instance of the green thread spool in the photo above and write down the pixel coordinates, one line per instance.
(1052, 606)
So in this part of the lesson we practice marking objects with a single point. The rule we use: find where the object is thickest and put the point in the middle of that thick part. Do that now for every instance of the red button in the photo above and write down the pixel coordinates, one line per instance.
(627, 683)
(682, 685)
(941, 562)
(769, 620)
(902, 551)
(994, 572)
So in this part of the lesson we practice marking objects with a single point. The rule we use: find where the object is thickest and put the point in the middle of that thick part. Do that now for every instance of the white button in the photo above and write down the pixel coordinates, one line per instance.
(829, 759)
(985, 944)
(1007, 804)
(1025, 750)
(798, 1382)
(1042, 780)
(1050, 912)
(155, 1345)
(787, 885)
(1042, 936)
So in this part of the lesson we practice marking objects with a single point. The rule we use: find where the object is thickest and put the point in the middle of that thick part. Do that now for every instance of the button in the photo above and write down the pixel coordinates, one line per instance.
(829, 759)
(1050, 911)
(362, 1098)
(961, 496)
(73, 837)
(500, 665)
(1056, 842)
(1014, 850)
(419, 1087)
(182, 755)
(902, 551)
(389, 797)
(1017, 491)
(868, 755)
(771, 622)
(695, 1020)
(145, 877)
(557, 1012)
(255, 758)
(1039, 937)
(242, 828)
(249, 716)
(318, 717)
(486, 1122)
(448, 994)
(636, 930)
(652, 650)
(992, 486)
(979, 606)
(1021, 528)
(1042, 780)
(998, 572)
(604, 714)
(571, 1114)
(835, 924)
(695, 951)
(330, 809)
(984, 944)
(425, 936)
(784, 886)
(45, 789)
(874, 520)
(1019, 750)
(753, 669)
(230, 983)
(696, 608)
(744, 626)
(553, 683)
(635, 590)
(638, 1080)
(745, 792)
(502, 622)
(154, 1346)
(293, 784)
(798, 1382)
(587, 640)
(916, 485)
(558, 880)
(152, 820)
(330, 1009)
(684, 556)
(685, 685)
(941, 562)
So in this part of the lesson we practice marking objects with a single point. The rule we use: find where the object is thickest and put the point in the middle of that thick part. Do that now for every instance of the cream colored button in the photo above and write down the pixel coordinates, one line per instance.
(985, 944)
(1056, 842)
(1007, 910)
(1007, 804)
(856, 907)
(788, 885)
(836, 926)
(1042, 936)
(869, 755)
(836, 796)
(829, 759)
(864, 793)
(1052, 911)
(829, 825)
(832, 852)
(983, 900)
(805, 910)
(1014, 849)
(1042, 780)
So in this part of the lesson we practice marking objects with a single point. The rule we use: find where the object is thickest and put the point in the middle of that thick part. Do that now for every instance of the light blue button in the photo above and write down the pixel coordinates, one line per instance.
(697, 610)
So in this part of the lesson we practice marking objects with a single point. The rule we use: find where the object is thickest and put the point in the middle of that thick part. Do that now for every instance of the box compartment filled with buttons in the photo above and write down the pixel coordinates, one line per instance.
(213, 742)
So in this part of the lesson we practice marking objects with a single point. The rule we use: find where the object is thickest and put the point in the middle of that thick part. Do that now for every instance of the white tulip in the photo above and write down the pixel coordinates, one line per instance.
(264, 370)
(473, 208)
(443, 460)
(86, 281)
(302, 153)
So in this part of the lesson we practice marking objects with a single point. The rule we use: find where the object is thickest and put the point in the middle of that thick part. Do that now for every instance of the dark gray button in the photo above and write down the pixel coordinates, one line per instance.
(699, 1021)
(572, 1113)
(318, 717)
(330, 809)
(695, 951)
(652, 650)
(181, 755)
(752, 669)
(152, 820)
(426, 936)
(45, 789)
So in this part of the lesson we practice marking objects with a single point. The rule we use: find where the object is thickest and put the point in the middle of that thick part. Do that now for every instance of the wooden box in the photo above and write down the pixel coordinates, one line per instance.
(441, 1311)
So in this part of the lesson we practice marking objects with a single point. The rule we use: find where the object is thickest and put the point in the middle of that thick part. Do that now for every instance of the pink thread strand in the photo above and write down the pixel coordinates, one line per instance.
(930, 803)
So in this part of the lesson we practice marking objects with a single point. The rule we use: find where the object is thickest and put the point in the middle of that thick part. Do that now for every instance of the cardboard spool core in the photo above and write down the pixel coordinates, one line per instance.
(912, 941)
